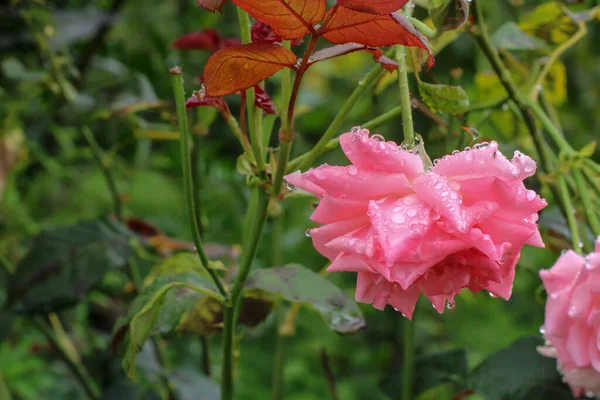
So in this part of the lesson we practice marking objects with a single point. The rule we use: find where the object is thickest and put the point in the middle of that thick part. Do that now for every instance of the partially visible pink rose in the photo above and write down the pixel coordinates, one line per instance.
(407, 231)
(572, 323)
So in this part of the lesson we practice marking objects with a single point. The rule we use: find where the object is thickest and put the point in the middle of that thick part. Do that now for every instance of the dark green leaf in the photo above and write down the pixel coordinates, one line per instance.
(190, 385)
(511, 37)
(159, 308)
(298, 284)
(444, 98)
(65, 263)
(449, 14)
(432, 370)
(518, 372)
(127, 390)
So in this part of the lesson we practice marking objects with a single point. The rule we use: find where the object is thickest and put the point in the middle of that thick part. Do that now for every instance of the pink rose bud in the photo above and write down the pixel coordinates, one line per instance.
(572, 323)
(407, 231)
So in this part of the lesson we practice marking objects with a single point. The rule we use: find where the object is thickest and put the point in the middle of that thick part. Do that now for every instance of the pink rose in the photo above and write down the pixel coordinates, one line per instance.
(572, 323)
(406, 230)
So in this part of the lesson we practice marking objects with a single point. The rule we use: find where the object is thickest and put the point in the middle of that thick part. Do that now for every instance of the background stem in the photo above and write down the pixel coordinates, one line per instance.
(186, 166)
(100, 157)
(409, 358)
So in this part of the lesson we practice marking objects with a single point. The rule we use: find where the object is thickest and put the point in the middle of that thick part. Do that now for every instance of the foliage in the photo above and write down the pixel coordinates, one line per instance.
(100, 279)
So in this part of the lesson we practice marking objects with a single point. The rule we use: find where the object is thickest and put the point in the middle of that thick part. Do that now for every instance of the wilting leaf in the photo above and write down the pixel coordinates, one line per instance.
(342, 49)
(240, 67)
(378, 7)
(263, 100)
(298, 284)
(205, 317)
(207, 39)
(65, 263)
(550, 22)
(511, 37)
(199, 99)
(518, 372)
(211, 5)
(159, 308)
(444, 98)
(449, 14)
(432, 370)
(292, 19)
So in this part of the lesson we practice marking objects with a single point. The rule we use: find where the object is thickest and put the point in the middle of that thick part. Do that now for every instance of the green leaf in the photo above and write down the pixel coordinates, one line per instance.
(190, 385)
(65, 263)
(519, 372)
(298, 284)
(511, 37)
(4, 393)
(444, 98)
(551, 22)
(15, 70)
(446, 368)
(449, 14)
(127, 390)
(158, 309)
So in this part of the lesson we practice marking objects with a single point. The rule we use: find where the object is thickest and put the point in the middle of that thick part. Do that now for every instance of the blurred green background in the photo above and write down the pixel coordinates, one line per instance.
(118, 84)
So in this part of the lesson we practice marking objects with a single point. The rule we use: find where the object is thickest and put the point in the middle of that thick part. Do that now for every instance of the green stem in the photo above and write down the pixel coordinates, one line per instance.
(285, 146)
(197, 181)
(186, 166)
(259, 214)
(409, 359)
(253, 122)
(565, 197)
(552, 130)
(537, 86)
(335, 143)
(76, 367)
(205, 342)
(408, 128)
(587, 201)
(407, 121)
(363, 86)
(99, 156)
(425, 30)
(278, 366)
(237, 132)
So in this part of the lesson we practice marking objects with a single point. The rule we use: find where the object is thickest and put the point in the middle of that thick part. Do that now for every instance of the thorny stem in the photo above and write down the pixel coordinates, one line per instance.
(100, 157)
(76, 367)
(407, 121)
(251, 109)
(258, 214)
(286, 135)
(186, 166)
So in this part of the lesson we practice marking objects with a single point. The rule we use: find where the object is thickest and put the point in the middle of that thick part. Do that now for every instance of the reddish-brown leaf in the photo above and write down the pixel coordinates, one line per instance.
(240, 67)
(207, 39)
(348, 25)
(347, 48)
(199, 99)
(263, 33)
(291, 19)
(211, 5)
(378, 7)
(263, 100)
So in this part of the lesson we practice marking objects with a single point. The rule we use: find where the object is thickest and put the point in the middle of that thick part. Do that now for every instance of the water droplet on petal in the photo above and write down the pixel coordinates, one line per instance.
(378, 138)
(531, 195)
(307, 233)
(543, 330)
(450, 305)
(492, 295)
(411, 212)
(352, 170)
(398, 218)
(290, 187)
